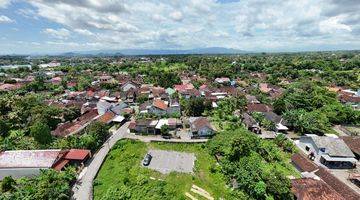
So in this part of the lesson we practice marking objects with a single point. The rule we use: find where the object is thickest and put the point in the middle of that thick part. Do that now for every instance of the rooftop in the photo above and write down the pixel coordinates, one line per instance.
(28, 158)
(334, 146)
(311, 189)
(353, 142)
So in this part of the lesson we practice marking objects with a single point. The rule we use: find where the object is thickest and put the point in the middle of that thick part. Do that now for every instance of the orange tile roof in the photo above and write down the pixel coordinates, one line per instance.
(159, 104)
(107, 117)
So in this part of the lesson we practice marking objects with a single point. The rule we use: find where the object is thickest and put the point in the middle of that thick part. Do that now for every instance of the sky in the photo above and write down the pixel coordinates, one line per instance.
(54, 26)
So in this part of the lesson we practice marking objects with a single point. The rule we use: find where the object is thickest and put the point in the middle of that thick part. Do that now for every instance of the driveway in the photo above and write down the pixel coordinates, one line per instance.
(83, 188)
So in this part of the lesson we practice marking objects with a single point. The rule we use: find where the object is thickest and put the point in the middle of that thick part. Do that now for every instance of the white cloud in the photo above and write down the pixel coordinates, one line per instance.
(5, 19)
(176, 15)
(84, 32)
(61, 33)
(333, 24)
(4, 3)
(249, 25)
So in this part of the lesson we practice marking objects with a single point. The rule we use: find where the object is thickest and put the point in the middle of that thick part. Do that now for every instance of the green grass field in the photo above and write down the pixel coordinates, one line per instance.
(123, 177)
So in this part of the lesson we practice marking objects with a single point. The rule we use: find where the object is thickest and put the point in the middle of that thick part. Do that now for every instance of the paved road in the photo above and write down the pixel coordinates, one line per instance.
(158, 138)
(83, 188)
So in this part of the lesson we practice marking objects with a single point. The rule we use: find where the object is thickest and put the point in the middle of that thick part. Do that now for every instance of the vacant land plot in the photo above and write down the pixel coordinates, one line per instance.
(122, 177)
(171, 161)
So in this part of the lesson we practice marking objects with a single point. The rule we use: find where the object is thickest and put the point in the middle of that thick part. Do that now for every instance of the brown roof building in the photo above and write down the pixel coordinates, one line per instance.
(337, 185)
(258, 107)
(302, 163)
(353, 142)
(311, 189)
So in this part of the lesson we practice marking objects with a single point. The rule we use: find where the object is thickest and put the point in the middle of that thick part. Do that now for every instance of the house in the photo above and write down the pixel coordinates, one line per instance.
(172, 123)
(9, 87)
(311, 189)
(353, 101)
(158, 92)
(353, 142)
(184, 87)
(73, 157)
(106, 79)
(280, 123)
(170, 91)
(104, 106)
(107, 117)
(146, 126)
(330, 151)
(251, 99)
(158, 107)
(56, 80)
(251, 123)
(51, 64)
(130, 95)
(222, 80)
(70, 128)
(128, 85)
(303, 164)
(258, 107)
(190, 93)
(337, 185)
(28, 163)
(200, 127)
(273, 91)
(263, 87)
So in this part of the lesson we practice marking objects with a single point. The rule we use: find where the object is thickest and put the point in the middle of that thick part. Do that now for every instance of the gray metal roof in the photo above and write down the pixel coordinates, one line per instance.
(335, 147)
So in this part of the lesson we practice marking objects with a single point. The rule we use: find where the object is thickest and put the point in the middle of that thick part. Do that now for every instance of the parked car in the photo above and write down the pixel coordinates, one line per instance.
(147, 159)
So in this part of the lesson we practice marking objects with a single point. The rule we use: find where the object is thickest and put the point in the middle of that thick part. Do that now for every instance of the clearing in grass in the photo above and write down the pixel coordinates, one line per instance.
(123, 177)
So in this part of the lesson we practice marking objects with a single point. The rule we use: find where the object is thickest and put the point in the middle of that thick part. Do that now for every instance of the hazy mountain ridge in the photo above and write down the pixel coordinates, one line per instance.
(133, 52)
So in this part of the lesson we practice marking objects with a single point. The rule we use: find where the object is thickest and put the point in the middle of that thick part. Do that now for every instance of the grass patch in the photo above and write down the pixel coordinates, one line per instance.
(122, 175)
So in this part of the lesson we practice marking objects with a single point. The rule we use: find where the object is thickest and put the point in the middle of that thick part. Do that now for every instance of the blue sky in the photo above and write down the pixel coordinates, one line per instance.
(50, 26)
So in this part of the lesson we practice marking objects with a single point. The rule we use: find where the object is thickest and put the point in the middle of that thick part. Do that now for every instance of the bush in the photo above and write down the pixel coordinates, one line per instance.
(7, 184)
(41, 133)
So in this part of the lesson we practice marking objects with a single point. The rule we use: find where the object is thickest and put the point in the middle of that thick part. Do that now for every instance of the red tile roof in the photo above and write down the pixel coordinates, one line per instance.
(311, 189)
(159, 104)
(184, 87)
(257, 107)
(303, 163)
(60, 164)
(132, 125)
(77, 154)
(349, 98)
(337, 185)
(200, 123)
(107, 117)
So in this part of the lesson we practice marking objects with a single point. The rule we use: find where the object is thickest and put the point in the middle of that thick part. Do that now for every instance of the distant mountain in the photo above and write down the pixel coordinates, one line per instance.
(135, 52)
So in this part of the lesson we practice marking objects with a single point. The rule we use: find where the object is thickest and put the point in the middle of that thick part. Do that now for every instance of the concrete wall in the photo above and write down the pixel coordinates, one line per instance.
(19, 172)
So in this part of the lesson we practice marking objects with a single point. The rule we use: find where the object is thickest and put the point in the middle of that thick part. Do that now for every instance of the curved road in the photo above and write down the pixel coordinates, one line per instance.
(83, 188)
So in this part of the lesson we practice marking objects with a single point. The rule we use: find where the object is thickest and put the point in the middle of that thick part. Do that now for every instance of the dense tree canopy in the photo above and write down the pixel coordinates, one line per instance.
(258, 166)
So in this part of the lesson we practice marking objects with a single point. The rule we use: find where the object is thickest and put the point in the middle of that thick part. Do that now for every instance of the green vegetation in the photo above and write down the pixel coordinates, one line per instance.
(123, 176)
(256, 167)
(50, 184)
(310, 108)
(244, 158)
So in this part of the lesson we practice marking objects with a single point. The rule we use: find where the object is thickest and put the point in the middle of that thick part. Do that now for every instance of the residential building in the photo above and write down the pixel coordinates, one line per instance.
(331, 151)
(311, 189)
(200, 127)
(28, 163)
(251, 124)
